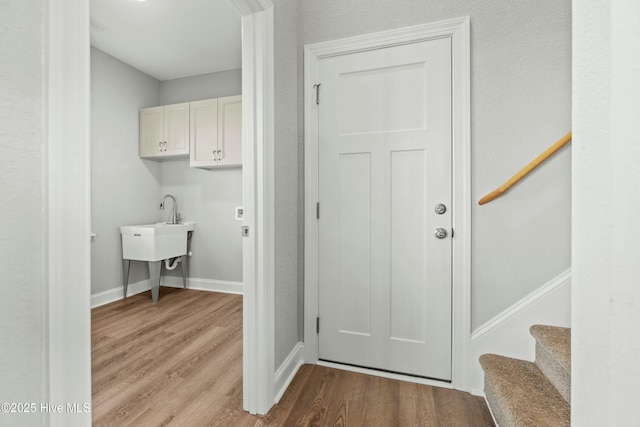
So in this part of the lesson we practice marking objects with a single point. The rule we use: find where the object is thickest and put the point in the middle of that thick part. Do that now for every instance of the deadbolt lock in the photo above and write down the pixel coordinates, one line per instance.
(440, 208)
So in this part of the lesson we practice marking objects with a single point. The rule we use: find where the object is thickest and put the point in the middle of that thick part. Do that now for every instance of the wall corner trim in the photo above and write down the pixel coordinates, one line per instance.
(552, 285)
(285, 373)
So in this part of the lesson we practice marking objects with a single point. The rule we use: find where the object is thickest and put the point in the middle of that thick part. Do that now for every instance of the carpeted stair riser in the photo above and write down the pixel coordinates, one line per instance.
(519, 394)
(496, 408)
(553, 356)
(557, 375)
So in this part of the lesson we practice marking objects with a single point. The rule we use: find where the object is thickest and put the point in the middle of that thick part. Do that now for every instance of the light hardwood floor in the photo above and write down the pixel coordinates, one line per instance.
(179, 363)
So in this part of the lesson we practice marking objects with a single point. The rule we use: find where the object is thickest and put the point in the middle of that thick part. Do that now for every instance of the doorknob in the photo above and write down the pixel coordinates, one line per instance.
(440, 233)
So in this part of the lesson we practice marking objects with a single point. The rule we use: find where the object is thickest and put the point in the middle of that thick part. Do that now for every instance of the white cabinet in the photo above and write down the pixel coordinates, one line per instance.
(164, 132)
(216, 132)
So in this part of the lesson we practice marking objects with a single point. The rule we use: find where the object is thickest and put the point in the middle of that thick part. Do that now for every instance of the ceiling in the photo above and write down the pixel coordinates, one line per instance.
(169, 39)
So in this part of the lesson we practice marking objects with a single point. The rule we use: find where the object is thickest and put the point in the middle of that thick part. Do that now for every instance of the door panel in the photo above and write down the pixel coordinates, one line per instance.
(396, 85)
(384, 163)
(355, 243)
(408, 245)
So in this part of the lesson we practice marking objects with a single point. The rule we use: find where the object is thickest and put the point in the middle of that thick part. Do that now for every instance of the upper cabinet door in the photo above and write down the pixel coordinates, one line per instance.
(230, 131)
(164, 131)
(176, 129)
(151, 132)
(204, 133)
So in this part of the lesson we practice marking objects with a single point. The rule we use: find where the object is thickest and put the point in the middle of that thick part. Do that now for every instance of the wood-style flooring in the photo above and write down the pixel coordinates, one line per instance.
(179, 363)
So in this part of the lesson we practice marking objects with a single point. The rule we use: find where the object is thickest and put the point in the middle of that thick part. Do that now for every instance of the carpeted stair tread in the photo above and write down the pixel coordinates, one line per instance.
(520, 395)
(555, 340)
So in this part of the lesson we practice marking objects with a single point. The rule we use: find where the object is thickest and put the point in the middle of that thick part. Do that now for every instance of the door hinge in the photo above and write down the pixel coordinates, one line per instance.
(318, 325)
(244, 231)
(318, 210)
(317, 88)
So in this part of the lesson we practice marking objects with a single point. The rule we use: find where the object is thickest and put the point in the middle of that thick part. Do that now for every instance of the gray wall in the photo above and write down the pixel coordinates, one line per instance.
(206, 86)
(127, 189)
(521, 103)
(288, 201)
(23, 238)
(208, 197)
(124, 188)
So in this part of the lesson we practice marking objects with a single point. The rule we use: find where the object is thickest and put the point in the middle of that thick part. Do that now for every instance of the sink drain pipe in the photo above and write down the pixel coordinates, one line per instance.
(172, 263)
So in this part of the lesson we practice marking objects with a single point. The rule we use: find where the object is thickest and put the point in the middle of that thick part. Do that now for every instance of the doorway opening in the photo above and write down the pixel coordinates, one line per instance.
(160, 97)
(69, 178)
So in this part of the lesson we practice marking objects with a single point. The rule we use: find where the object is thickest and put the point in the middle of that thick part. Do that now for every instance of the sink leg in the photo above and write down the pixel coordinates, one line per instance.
(126, 266)
(155, 273)
(184, 270)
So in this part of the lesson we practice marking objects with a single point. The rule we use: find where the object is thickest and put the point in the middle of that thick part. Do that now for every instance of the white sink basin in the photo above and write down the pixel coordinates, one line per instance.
(155, 242)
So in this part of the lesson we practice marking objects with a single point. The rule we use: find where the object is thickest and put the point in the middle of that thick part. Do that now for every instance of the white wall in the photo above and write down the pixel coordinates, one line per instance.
(208, 197)
(521, 104)
(124, 189)
(23, 237)
(606, 207)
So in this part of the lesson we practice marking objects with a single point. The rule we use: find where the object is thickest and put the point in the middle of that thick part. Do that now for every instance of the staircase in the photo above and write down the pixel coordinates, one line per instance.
(537, 394)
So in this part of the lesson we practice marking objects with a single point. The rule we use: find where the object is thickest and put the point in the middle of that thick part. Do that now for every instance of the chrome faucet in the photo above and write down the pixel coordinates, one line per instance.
(175, 215)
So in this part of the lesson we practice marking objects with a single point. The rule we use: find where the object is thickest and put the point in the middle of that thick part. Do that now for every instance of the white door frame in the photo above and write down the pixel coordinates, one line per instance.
(67, 171)
(258, 271)
(458, 30)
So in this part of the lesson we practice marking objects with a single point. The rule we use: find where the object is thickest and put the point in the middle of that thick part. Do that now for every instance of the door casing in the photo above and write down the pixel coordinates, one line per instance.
(458, 30)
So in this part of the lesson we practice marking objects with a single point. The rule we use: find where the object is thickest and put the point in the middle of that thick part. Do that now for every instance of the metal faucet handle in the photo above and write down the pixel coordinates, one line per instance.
(178, 218)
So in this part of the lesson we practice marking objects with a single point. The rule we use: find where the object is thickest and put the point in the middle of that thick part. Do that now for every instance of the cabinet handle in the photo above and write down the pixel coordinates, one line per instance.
(165, 146)
(214, 155)
(160, 145)
(219, 155)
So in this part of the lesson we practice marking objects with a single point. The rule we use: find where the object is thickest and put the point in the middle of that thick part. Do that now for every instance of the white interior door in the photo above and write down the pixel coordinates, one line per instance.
(384, 165)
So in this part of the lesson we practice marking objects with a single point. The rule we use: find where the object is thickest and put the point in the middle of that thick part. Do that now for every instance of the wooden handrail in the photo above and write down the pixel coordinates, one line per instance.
(526, 170)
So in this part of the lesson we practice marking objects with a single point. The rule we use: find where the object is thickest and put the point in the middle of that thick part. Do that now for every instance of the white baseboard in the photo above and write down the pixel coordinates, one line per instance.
(117, 293)
(508, 334)
(285, 373)
(224, 286)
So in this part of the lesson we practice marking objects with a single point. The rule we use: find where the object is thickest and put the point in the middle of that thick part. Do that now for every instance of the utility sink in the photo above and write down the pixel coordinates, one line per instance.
(155, 242)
